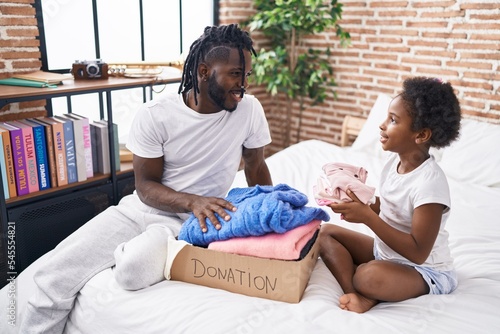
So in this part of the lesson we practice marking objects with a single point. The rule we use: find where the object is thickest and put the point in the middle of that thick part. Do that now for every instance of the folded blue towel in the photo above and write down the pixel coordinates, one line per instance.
(261, 210)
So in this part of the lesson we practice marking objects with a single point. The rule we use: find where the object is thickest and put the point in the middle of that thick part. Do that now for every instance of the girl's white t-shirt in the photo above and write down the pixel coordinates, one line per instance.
(201, 152)
(400, 194)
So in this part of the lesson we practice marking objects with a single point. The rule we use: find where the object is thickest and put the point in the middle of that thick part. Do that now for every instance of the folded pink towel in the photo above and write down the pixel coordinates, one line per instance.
(286, 246)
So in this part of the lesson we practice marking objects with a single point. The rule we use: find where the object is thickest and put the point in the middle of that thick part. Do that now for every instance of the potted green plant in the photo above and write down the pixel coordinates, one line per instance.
(289, 67)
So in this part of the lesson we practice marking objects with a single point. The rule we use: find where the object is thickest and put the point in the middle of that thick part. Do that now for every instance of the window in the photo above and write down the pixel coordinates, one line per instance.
(117, 31)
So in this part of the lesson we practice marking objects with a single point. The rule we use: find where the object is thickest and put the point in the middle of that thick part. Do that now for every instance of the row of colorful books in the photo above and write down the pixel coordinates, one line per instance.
(48, 152)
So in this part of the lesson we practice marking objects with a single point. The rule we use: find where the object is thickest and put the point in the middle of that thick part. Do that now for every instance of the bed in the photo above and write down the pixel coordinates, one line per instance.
(473, 171)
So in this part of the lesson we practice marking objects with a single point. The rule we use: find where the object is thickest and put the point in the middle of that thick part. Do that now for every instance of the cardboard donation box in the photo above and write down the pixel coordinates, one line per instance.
(252, 276)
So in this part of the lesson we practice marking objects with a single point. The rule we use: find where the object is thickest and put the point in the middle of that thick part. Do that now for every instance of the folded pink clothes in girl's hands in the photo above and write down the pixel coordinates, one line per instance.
(338, 178)
(286, 246)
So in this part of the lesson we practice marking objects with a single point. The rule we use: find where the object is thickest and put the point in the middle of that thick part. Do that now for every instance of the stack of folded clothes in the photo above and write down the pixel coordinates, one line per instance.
(270, 222)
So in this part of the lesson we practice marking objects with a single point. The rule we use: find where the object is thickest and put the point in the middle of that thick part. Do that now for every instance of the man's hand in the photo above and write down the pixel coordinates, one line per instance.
(208, 207)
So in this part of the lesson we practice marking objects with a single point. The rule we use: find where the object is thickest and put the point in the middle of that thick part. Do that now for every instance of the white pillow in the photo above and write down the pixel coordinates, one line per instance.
(475, 156)
(368, 139)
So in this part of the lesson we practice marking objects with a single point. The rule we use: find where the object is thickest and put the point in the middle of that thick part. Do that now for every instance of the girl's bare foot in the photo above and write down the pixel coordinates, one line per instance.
(356, 303)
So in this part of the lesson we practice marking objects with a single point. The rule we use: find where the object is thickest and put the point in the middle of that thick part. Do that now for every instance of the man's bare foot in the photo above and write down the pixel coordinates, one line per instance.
(356, 303)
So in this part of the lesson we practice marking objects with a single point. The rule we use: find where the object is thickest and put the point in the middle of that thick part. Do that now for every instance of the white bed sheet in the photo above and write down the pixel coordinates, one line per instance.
(177, 307)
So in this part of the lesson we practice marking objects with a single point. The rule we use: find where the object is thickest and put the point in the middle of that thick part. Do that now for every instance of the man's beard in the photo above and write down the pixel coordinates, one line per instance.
(217, 94)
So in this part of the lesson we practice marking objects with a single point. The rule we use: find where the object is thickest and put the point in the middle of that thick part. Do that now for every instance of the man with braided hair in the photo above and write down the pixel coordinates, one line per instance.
(187, 149)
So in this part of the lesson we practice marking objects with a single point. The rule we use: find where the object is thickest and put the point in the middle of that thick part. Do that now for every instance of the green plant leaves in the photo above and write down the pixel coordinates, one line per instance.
(289, 67)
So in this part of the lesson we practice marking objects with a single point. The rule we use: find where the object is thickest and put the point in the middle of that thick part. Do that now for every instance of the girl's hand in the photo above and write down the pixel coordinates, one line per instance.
(355, 211)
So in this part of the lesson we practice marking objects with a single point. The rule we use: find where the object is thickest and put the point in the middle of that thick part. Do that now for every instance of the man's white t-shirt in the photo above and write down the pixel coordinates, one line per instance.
(401, 194)
(201, 152)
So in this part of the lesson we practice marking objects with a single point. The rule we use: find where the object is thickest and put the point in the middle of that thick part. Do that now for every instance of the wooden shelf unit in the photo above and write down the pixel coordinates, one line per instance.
(99, 191)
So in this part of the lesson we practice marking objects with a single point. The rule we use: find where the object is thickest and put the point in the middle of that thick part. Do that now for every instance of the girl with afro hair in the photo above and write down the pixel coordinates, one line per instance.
(409, 254)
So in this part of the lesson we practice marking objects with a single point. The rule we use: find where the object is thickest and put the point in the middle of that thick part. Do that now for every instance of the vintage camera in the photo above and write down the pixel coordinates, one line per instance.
(89, 69)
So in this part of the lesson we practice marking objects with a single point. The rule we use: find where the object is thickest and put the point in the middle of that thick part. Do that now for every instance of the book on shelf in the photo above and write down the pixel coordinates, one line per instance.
(34, 152)
(101, 140)
(59, 149)
(83, 146)
(49, 140)
(9, 162)
(93, 136)
(3, 166)
(81, 168)
(30, 156)
(43, 77)
(42, 160)
(25, 83)
(116, 144)
(69, 142)
(18, 155)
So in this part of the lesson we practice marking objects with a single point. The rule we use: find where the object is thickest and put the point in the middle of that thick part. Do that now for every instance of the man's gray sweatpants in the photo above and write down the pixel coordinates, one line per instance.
(130, 234)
